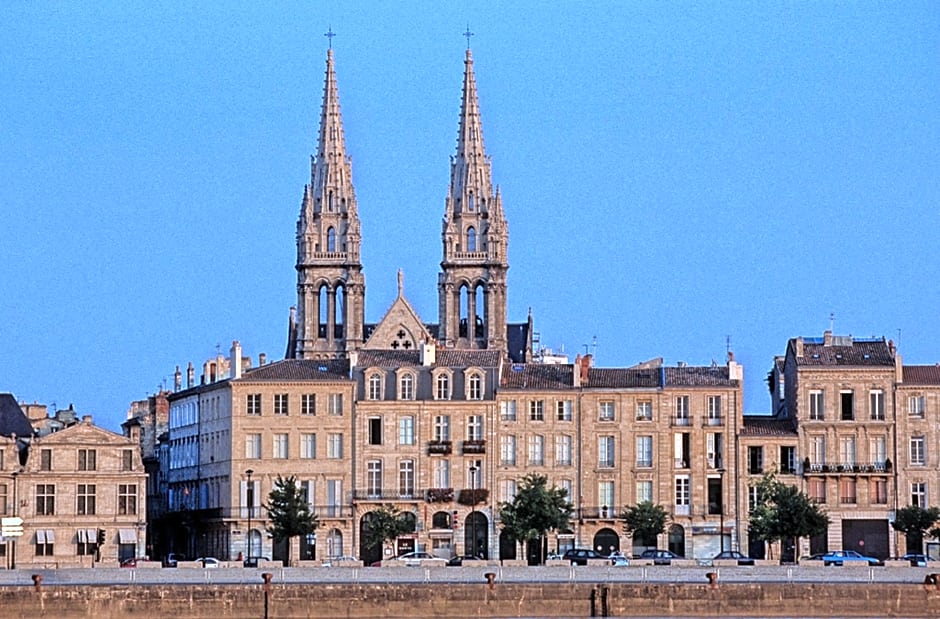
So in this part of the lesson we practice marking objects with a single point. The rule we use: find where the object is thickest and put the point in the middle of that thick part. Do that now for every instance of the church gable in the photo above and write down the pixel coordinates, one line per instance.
(400, 328)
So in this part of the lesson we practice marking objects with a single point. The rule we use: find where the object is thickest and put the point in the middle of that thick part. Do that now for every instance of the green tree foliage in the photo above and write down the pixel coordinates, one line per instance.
(535, 510)
(914, 521)
(289, 511)
(383, 525)
(782, 511)
(644, 521)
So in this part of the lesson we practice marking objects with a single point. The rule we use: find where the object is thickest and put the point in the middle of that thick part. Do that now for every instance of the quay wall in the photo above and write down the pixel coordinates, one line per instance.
(425, 601)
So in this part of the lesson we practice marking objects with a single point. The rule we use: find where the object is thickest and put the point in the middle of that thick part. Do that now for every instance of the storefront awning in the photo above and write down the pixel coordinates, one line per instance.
(127, 536)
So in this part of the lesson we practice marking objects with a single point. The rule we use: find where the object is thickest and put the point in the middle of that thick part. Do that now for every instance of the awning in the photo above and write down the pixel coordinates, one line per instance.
(87, 536)
(127, 536)
(45, 536)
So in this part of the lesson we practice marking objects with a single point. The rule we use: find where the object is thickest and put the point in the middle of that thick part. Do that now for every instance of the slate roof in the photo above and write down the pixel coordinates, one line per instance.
(764, 425)
(857, 352)
(442, 358)
(921, 374)
(623, 377)
(537, 376)
(12, 418)
(300, 369)
(699, 376)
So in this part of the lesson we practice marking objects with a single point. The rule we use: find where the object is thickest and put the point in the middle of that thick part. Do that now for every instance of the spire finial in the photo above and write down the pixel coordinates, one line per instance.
(329, 34)
(468, 34)
(401, 282)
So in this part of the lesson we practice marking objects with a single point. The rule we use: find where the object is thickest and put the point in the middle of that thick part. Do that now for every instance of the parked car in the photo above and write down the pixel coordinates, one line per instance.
(813, 557)
(459, 559)
(733, 555)
(841, 557)
(618, 559)
(132, 561)
(332, 561)
(915, 559)
(208, 562)
(253, 562)
(580, 556)
(172, 559)
(419, 559)
(659, 556)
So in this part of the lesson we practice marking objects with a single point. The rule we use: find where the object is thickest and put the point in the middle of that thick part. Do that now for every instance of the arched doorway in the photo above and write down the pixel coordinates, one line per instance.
(368, 555)
(476, 535)
(606, 541)
(677, 540)
(254, 542)
(334, 543)
(507, 546)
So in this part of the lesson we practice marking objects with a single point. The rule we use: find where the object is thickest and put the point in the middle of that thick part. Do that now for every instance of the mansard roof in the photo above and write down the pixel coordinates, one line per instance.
(443, 358)
(842, 351)
(767, 426)
(301, 369)
(12, 418)
(537, 376)
(921, 374)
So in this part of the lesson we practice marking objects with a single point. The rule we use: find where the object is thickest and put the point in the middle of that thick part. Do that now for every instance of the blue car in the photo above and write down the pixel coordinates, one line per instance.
(841, 557)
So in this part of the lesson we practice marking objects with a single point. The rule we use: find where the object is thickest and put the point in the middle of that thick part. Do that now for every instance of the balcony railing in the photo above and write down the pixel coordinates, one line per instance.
(644, 463)
(681, 463)
(473, 496)
(681, 421)
(845, 468)
(715, 421)
(603, 512)
(440, 495)
(440, 447)
(388, 495)
(476, 446)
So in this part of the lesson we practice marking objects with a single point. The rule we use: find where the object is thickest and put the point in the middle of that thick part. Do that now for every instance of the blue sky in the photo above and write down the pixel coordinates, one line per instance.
(673, 173)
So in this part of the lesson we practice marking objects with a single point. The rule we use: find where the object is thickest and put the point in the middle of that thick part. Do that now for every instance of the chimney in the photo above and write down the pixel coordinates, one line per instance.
(428, 354)
(576, 372)
(827, 338)
(735, 369)
(799, 347)
(586, 363)
(235, 363)
(190, 376)
(86, 419)
(177, 379)
(262, 359)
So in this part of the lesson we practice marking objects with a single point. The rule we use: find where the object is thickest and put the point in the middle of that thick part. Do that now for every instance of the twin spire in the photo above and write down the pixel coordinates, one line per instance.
(331, 287)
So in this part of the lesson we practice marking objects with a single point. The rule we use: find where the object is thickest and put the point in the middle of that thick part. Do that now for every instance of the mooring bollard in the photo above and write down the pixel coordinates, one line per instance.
(266, 576)
(712, 579)
(490, 578)
(932, 581)
(37, 581)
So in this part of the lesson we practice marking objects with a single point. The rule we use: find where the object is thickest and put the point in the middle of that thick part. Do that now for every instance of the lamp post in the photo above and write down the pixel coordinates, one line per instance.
(721, 509)
(249, 497)
(473, 505)
(13, 541)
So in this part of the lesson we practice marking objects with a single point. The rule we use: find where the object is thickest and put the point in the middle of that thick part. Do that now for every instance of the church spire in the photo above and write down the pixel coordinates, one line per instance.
(472, 282)
(330, 283)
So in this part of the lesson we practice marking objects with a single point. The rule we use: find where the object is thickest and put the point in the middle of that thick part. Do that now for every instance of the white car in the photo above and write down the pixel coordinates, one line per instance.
(208, 562)
(421, 559)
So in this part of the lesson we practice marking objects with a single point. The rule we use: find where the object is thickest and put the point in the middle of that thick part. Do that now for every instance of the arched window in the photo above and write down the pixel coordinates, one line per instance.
(471, 239)
(406, 390)
(375, 386)
(331, 239)
(475, 387)
(442, 391)
(470, 202)
(329, 202)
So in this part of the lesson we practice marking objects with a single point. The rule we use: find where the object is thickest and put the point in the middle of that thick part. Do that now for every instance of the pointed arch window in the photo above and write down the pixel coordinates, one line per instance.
(331, 234)
(470, 202)
(471, 239)
(329, 201)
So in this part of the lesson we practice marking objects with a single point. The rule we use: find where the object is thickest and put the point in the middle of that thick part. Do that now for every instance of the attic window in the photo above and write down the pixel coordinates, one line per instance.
(867, 356)
(838, 355)
(322, 368)
(815, 355)
(517, 367)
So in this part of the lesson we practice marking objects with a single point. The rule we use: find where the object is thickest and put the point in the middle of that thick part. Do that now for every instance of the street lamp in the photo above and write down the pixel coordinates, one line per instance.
(249, 496)
(721, 508)
(13, 541)
(473, 505)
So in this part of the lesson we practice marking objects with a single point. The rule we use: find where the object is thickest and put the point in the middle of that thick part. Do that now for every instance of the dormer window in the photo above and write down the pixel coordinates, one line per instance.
(475, 386)
(406, 387)
(375, 386)
(442, 386)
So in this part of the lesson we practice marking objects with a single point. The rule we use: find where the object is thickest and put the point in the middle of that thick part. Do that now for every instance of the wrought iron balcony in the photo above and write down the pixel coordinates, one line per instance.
(476, 446)
(388, 495)
(440, 495)
(847, 468)
(440, 447)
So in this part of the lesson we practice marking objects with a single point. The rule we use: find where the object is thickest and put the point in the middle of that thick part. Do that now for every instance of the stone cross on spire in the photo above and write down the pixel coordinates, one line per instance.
(468, 34)
(329, 34)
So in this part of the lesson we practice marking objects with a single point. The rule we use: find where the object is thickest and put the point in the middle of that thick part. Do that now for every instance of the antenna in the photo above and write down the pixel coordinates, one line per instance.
(832, 320)
(594, 346)
(727, 343)
(898, 347)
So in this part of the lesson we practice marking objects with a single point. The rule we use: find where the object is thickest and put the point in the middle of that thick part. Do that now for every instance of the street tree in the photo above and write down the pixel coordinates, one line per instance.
(914, 521)
(535, 510)
(644, 522)
(782, 511)
(383, 525)
(289, 511)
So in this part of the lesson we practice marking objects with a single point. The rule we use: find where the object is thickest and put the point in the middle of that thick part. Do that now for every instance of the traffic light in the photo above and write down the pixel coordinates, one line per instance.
(101, 533)
(454, 521)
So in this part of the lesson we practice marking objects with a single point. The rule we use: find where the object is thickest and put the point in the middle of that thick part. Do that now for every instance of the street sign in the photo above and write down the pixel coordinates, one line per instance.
(12, 521)
(11, 531)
